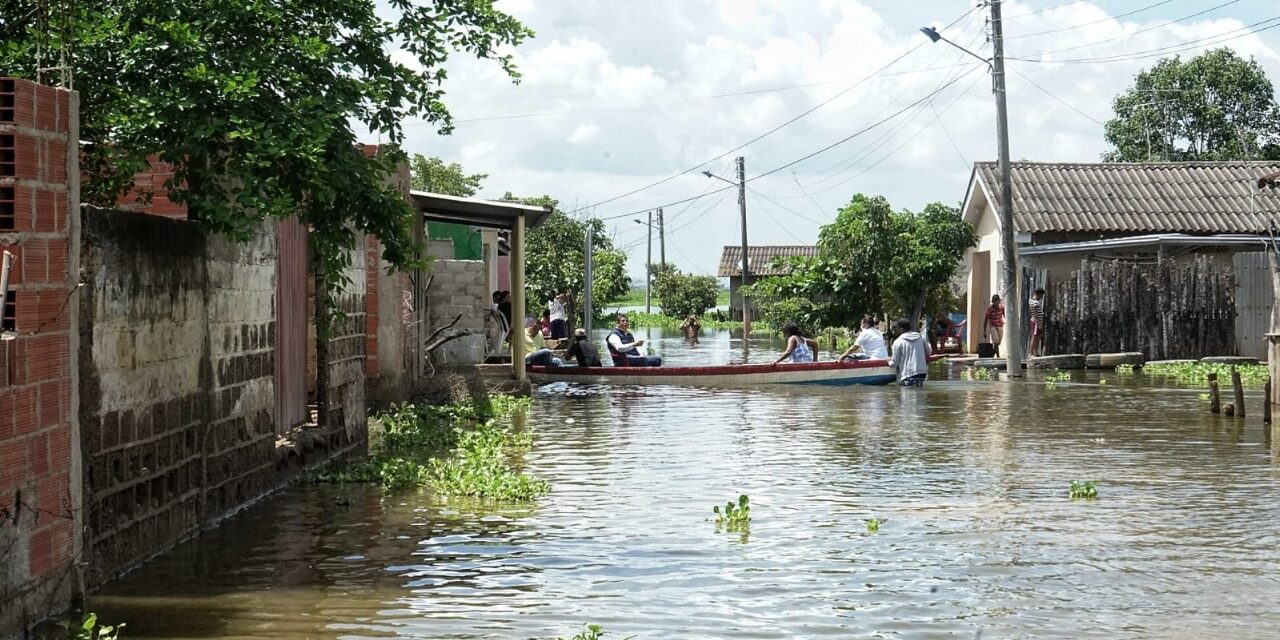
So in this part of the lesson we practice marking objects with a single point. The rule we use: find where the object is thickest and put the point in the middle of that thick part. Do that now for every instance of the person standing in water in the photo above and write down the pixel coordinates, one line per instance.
(910, 355)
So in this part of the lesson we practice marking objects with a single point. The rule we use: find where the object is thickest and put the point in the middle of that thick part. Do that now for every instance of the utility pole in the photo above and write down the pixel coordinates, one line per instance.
(662, 241)
(588, 313)
(648, 268)
(742, 206)
(1009, 250)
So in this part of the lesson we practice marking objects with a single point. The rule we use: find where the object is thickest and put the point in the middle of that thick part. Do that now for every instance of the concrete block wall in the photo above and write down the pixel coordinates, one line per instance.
(40, 510)
(457, 287)
(346, 421)
(144, 372)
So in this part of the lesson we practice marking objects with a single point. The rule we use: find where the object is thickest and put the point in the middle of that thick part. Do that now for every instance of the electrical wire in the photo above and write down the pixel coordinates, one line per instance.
(1054, 96)
(775, 129)
(1086, 24)
(1039, 11)
(1146, 30)
(793, 211)
(1188, 45)
(769, 214)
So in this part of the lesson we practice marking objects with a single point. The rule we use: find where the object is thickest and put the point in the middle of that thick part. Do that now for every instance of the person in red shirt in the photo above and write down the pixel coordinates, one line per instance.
(993, 323)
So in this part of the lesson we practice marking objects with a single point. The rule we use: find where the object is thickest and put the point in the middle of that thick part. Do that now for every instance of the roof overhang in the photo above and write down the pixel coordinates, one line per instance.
(437, 207)
(1155, 240)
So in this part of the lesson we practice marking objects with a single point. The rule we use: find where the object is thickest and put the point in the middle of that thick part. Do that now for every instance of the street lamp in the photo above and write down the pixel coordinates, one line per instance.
(1009, 252)
(742, 207)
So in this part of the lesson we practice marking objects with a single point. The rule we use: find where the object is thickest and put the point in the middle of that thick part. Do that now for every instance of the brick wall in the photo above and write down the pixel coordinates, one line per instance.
(347, 343)
(39, 509)
(150, 193)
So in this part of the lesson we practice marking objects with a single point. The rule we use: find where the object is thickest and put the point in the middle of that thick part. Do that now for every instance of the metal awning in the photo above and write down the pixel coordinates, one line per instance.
(1156, 240)
(437, 207)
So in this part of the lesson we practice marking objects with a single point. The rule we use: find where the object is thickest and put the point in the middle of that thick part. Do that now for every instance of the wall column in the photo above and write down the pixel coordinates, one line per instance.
(518, 335)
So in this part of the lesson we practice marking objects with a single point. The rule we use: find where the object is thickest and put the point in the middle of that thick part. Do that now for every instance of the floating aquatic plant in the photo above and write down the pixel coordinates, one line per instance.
(1084, 489)
(1058, 376)
(1197, 373)
(89, 629)
(733, 517)
(1124, 369)
(873, 524)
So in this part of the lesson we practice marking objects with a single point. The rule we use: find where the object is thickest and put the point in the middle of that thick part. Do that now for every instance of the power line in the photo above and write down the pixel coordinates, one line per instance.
(1147, 30)
(775, 129)
(1052, 95)
(865, 129)
(797, 213)
(1086, 24)
(1039, 11)
(769, 212)
(1170, 49)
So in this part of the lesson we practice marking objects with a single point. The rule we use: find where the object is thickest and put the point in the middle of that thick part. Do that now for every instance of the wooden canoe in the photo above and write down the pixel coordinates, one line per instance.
(830, 373)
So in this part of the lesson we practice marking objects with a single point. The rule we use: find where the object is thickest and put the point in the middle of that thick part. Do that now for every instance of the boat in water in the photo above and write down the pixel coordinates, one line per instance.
(831, 373)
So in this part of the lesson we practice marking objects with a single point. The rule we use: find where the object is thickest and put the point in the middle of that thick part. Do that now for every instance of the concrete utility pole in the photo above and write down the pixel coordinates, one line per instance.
(662, 240)
(1009, 251)
(648, 268)
(742, 205)
(588, 312)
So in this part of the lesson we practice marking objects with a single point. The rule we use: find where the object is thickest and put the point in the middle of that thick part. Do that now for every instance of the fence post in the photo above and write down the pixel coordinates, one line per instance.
(1215, 405)
(1238, 387)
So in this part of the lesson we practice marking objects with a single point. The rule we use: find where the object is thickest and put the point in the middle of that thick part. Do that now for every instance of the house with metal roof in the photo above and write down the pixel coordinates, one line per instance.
(1068, 214)
(761, 261)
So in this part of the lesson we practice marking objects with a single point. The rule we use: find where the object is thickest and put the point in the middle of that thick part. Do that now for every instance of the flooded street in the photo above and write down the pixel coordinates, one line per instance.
(970, 479)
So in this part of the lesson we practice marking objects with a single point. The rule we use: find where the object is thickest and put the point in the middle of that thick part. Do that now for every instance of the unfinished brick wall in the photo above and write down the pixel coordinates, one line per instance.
(346, 420)
(178, 341)
(39, 468)
(150, 193)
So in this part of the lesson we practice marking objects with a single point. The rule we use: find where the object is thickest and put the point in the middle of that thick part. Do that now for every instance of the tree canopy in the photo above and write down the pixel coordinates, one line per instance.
(255, 103)
(1215, 106)
(871, 260)
(683, 294)
(555, 256)
(434, 175)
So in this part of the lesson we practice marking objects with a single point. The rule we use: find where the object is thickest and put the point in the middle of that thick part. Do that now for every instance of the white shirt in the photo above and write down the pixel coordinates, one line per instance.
(556, 309)
(620, 346)
(872, 343)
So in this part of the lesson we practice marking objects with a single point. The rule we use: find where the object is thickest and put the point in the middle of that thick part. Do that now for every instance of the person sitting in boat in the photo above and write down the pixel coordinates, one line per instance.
(799, 348)
(626, 350)
(535, 348)
(910, 355)
(869, 343)
(582, 350)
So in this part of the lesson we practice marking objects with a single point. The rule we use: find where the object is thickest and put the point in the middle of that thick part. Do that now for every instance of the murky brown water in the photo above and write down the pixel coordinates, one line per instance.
(980, 539)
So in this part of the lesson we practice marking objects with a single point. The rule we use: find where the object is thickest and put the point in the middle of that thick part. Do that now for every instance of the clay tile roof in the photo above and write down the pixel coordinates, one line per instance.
(1159, 197)
(758, 259)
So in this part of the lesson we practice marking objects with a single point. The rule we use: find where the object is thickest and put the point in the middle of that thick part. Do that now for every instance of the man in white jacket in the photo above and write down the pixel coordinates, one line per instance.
(910, 356)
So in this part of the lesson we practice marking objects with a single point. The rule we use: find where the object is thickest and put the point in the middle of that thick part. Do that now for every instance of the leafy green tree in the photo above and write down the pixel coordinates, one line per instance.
(682, 294)
(255, 104)
(1215, 106)
(432, 174)
(555, 257)
(870, 260)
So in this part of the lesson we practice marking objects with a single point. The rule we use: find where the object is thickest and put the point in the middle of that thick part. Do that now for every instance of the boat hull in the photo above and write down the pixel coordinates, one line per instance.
(862, 372)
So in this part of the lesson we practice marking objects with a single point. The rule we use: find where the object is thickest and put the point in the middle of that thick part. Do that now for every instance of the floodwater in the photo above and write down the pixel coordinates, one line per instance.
(970, 478)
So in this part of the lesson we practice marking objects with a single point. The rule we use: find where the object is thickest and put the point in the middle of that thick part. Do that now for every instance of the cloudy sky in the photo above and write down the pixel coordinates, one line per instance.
(617, 96)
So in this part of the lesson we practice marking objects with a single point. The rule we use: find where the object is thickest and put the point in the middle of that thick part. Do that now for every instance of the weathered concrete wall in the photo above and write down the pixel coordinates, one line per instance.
(457, 287)
(346, 421)
(40, 508)
(178, 345)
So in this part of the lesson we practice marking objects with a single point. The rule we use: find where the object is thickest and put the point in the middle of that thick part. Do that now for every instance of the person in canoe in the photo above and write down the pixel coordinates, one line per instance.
(582, 350)
(625, 349)
(910, 355)
(869, 343)
(799, 348)
(535, 348)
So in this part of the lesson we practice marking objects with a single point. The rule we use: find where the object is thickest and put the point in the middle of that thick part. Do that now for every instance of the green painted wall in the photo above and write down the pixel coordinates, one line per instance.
(466, 240)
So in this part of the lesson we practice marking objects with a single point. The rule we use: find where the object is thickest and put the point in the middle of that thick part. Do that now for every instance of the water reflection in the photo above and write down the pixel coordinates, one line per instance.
(970, 477)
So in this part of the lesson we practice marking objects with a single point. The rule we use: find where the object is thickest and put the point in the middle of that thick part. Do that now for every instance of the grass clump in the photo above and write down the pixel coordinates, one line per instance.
(1084, 489)
(733, 516)
(479, 438)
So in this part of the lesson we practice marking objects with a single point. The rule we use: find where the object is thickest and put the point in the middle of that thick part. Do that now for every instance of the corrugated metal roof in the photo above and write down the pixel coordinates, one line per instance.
(759, 257)
(1161, 197)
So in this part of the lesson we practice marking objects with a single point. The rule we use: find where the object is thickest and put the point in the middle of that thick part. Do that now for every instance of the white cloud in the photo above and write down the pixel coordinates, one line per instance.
(631, 87)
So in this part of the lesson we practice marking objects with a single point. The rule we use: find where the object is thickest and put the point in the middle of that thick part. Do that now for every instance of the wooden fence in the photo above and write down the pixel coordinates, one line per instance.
(1162, 309)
